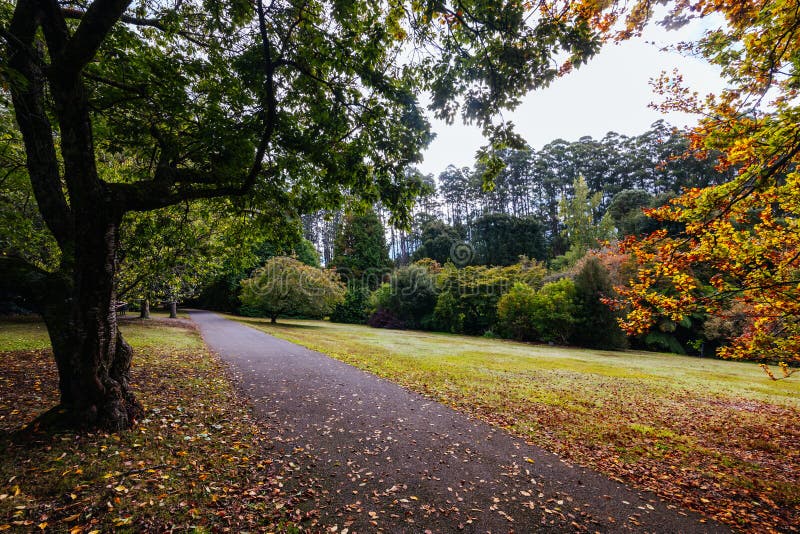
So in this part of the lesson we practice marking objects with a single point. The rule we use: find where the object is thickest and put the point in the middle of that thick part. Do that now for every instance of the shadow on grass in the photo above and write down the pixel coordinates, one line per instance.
(178, 322)
(42, 430)
(265, 322)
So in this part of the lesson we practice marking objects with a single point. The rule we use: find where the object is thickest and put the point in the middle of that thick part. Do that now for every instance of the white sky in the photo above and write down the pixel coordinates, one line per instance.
(610, 93)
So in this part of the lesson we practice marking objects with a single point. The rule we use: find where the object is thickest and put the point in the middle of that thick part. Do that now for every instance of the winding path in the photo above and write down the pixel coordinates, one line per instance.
(380, 458)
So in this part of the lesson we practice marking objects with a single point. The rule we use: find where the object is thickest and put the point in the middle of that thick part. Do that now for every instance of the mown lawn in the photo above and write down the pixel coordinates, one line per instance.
(715, 436)
(198, 460)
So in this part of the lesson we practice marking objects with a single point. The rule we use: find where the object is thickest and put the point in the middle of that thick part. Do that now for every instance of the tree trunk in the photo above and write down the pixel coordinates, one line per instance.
(144, 309)
(273, 319)
(173, 309)
(78, 301)
(92, 357)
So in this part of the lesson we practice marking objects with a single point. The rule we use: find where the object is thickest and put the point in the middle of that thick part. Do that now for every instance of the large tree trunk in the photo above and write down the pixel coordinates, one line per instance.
(173, 309)
(93, 359)
(77, 302)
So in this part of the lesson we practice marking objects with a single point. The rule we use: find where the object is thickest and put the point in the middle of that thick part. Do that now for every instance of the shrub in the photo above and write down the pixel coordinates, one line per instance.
(384, 318)
(515, 313)
(554, 311)
(355, 307)
(468, 300)
(545, 315)
(446, 314)
(410, 296)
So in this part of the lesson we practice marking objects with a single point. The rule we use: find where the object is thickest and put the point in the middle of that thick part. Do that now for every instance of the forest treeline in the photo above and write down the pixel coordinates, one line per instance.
(519, 213)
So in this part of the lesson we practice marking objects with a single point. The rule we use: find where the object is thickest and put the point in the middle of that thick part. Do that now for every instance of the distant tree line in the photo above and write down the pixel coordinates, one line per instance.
(521, 211)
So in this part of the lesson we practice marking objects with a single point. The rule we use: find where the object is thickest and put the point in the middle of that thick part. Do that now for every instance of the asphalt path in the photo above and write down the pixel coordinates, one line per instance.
(377, 457)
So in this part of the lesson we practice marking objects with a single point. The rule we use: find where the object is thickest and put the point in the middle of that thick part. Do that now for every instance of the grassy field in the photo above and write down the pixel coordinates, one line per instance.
(29, 333)
(715, 436)
(198, 460)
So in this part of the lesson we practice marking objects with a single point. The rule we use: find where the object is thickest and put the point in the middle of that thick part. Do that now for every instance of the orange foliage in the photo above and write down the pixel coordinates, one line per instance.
(741, 240)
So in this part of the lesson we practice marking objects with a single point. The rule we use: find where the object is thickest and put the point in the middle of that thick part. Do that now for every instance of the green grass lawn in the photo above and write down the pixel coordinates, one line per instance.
(198, 460)
(31, 334)
(23, 335)
(717, 436)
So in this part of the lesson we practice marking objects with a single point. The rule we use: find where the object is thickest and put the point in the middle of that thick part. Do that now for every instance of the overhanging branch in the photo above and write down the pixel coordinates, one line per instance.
(173, 185)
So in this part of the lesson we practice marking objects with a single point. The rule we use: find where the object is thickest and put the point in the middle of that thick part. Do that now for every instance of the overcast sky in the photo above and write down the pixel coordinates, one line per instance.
(610, 93)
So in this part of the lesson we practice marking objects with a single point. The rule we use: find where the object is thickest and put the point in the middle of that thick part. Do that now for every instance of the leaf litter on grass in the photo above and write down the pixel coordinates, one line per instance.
(198, 460)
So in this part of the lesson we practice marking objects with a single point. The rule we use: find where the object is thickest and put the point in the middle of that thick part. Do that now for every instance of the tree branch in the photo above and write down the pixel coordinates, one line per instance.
(95, 24)
(161, 191)
(55, 27)
(269, 114)
(37, 132)
(150, 195)
(140, 90)
(77, 14)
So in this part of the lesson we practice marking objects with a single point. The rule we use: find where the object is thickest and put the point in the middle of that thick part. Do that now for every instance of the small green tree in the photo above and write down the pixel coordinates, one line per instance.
(286, 285)
(166, 255)
(583, 226)
(355, 307)
(515, 311)
(410, 296)
(596, 323)
(223, 290)
(554, 312)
